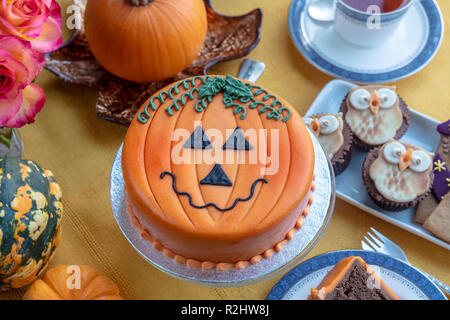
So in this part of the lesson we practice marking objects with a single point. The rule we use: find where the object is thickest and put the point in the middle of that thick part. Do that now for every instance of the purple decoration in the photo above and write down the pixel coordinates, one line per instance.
(444, 128)
(441, 182)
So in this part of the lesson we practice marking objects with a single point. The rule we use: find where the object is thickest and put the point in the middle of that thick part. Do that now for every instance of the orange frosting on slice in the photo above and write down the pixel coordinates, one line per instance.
(338, 273)
(207, 236)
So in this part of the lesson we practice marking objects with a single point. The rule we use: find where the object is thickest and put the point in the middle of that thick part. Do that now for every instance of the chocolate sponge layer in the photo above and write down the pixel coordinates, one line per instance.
(356, 285)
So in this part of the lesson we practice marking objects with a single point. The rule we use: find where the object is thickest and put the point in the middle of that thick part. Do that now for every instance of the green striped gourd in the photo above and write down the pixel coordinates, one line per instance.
(30, 214)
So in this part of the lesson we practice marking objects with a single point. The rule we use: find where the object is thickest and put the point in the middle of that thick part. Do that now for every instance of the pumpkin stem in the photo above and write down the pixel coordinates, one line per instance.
(140, 3)
(5, 136)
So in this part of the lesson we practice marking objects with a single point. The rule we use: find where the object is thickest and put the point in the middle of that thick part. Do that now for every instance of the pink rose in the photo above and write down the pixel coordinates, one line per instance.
(37, 21)
(20, 99)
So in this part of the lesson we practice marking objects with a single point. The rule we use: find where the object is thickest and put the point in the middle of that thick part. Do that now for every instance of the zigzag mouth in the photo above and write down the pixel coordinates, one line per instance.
(174, 180)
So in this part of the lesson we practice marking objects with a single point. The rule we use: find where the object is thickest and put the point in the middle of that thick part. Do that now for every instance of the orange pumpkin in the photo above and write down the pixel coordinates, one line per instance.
(145, 40)
(61, 283)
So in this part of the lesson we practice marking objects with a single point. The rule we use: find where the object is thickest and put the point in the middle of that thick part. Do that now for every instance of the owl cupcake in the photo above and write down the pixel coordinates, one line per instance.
(375, 115)
(335, 136)
(398, 175)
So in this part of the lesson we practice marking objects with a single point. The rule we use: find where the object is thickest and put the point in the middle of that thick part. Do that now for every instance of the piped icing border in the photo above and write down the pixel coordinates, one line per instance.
(223, 266)
(236, 95)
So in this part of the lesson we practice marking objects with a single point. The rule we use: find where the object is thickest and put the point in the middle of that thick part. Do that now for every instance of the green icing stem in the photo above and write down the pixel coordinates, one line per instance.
(236, 93)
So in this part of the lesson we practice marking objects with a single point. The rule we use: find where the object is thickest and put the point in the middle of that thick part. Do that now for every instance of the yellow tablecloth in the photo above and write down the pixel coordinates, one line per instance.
(79, 148)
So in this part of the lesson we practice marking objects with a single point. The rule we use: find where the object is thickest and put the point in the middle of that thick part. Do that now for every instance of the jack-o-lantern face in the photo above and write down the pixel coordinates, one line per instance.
(214, 157)
(217, 176)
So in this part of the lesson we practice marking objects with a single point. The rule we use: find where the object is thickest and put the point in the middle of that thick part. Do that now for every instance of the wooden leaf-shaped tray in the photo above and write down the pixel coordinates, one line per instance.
(117, 99)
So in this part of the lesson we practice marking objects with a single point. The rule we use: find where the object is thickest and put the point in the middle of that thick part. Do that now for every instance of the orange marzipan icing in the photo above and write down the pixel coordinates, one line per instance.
(285, 158)
(339, 271)
(223, 266)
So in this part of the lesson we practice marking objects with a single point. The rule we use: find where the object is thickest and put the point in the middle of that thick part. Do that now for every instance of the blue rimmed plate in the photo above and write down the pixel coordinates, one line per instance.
(406, 281)
(414, 45)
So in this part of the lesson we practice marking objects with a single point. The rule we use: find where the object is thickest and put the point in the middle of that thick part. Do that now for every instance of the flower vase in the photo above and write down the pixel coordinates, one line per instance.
(11, 143)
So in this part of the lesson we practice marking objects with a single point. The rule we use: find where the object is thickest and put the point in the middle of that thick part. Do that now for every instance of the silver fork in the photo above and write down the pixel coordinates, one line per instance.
(379, 243)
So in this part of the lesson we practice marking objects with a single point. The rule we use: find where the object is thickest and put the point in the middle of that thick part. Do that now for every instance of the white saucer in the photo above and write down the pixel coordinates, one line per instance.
(413, 46)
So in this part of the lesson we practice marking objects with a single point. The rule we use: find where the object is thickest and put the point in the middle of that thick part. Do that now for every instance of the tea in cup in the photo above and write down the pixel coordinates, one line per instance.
(369, 23)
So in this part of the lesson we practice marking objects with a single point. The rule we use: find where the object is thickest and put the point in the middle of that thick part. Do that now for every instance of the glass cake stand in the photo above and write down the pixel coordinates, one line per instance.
(293, 252)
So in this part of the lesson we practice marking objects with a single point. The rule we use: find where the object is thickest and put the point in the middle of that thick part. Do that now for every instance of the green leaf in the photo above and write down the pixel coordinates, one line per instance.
(212, 87)
(237, 89)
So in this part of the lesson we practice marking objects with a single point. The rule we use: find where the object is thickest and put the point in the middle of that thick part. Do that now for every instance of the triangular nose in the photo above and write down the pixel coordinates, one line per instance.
(217, 177)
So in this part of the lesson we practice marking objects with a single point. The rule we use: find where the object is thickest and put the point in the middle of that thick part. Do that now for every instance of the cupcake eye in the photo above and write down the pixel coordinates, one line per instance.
(388, 98)
(328, 124)
(360, 99)
(421, 161)
(392, 152)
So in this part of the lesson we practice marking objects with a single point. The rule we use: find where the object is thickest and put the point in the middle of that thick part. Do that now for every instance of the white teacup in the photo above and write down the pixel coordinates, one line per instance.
(367, 29)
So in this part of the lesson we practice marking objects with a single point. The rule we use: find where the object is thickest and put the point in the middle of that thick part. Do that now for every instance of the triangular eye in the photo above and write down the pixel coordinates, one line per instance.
(198, 140)
(237, 141)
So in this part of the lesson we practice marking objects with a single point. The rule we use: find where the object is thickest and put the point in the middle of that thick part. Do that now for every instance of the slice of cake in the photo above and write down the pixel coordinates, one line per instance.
(352, 279)
(218, 172)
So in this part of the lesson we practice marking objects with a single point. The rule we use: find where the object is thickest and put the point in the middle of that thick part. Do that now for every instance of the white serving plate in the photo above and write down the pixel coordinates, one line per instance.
(349, 185)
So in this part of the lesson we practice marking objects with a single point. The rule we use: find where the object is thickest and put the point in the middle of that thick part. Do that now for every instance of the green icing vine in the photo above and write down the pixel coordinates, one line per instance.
(235, 93)
(273, 112)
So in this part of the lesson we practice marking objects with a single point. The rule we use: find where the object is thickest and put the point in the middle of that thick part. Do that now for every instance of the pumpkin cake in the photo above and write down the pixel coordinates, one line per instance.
(352, 279)
(218, 172)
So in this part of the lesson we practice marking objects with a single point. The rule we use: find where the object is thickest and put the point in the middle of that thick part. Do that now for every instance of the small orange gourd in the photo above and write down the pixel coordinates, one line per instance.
(145, 40)
(60, 283)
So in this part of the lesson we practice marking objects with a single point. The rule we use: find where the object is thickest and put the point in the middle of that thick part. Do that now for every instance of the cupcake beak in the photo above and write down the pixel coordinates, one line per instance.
(406, 159)
(374, 102)
(315, 126)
